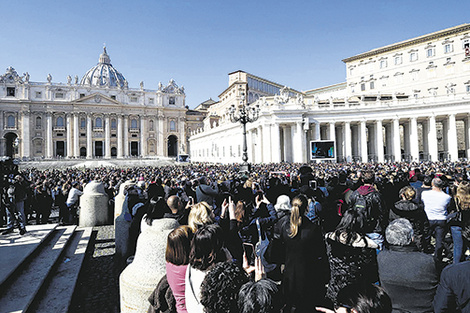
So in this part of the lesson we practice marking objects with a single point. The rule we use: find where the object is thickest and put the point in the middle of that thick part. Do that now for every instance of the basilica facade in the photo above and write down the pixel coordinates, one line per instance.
(405, 101)
(95, 116)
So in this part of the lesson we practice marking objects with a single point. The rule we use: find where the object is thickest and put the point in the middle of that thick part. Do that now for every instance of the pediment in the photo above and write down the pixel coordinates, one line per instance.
(97, 99)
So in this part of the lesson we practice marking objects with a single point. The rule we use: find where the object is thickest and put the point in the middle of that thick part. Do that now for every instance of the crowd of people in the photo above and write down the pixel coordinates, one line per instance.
(324, 237)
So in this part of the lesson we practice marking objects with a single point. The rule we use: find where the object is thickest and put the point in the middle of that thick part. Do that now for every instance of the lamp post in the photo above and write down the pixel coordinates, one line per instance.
(244, 114)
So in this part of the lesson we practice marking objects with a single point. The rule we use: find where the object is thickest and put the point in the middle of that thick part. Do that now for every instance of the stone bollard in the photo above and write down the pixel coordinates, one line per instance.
(120, 198)
(122, 224)
(140, 278)
(94, 205)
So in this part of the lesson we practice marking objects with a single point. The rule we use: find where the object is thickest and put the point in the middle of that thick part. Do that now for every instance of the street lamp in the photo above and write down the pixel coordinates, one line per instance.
(246, 114)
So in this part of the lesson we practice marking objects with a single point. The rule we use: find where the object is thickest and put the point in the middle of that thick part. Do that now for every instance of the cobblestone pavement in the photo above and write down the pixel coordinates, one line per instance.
(98, 286)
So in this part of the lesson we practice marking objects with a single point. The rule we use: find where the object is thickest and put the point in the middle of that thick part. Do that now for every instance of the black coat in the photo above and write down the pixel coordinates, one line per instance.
(409, 277)
(306, 266)
(453, 291)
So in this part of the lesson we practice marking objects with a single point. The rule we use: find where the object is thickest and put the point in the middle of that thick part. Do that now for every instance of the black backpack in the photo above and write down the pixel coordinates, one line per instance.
(364, 205)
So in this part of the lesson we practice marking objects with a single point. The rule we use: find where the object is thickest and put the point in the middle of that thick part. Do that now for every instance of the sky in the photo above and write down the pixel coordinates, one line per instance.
(299, 44)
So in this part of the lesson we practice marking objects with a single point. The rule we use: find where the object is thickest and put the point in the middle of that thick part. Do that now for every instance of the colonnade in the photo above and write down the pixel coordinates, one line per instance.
(380, 140)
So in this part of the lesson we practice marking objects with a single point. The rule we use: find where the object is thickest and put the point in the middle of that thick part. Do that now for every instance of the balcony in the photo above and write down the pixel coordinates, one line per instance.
(133, 130)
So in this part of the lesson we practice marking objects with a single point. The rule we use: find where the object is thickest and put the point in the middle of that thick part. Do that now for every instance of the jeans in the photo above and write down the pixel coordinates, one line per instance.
(378, 239)
(458, 243)
(438, 229)
(14, 209)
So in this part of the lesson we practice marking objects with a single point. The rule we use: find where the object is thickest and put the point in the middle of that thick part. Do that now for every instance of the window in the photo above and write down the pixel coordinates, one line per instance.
(466, 44)
(133, 99)
(38, 95)
(372, 85)
(383, 63)
(10, 91)
(82, 123)
(134, 123)
(151, 100)
(171, 101)
(82, 95)
(413, 56)
(98, 122)
(363, 87)
(11, 121)
(38, 122)
(448, 48)
(113, 97)
(151, 125)
(398, 60)
(172, 126)
(60, 121)
(113, 123)
(59, 95)
(429, 52)
(467, 88)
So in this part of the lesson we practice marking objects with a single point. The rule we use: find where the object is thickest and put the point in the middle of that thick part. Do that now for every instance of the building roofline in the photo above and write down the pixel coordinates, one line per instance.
(432, 36)
(326, 88)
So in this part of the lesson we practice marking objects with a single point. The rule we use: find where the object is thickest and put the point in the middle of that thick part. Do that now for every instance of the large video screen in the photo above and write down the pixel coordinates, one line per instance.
(324, 149)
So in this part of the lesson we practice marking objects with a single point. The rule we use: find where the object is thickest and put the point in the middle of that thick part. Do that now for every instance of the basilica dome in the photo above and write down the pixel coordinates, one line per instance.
(104, 74)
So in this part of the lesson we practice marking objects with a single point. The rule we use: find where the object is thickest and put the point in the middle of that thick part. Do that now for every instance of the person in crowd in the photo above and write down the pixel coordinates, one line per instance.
(406, 208)
(177, 260)
(73, 201)
(366, 198)
(361, 298)
(453, 291)
(221, 286)
(351, 254)
(156, 209)
(206, 250)
(262, 296)
(15, 198)
(206, 192)
(459, 221)
(177, 209)
(435, 205)
(201, 214)
(43, 202)
(303, 252)
(409, 276)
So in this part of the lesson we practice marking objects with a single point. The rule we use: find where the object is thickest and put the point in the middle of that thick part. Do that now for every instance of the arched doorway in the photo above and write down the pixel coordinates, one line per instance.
(172, 145)
(11, 144)
(113, 152)
(82, 152)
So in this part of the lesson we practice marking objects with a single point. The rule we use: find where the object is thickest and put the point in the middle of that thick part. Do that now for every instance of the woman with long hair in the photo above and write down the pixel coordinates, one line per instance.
(201, 214)
(459, 221)
(306, 265)
(177, 260)
(351, 254)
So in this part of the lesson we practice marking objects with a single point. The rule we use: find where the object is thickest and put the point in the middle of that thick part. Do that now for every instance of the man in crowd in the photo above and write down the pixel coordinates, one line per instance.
(15, 198)
(72, 202)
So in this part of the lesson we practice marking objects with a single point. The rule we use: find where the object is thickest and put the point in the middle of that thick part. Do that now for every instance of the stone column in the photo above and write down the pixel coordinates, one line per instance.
(120, 131)
(467, 135)
(452, 141)
(49, 143)
(414, 142)
(161, 139)
(432, 139)
(396, 140)
(275, 143)
(379, 141)
(332, 133)
(68, 126)
(317, 131)
(425, 140)
(267, 146)
(26, 136)
(89, 137)
(143, 136)
(389, 140)
(347, 142)
(363, 141)
(126, 135)
(76, 136)
(107, 137)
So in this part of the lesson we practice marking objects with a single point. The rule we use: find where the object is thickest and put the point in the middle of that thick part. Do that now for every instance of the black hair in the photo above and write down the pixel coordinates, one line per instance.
(352, 223)
(157, 207)
(364, 298)
(220, 288)
(262, 296)
(206, 247)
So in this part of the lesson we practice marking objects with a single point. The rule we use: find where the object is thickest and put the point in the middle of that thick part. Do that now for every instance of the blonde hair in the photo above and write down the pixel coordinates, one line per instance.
(462, 197)
(299, 206)
(201, 214)
(248, 183)
(408, 192)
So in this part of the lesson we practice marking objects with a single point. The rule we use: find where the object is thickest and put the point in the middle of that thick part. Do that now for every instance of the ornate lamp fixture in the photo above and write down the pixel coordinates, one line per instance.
(244, 114)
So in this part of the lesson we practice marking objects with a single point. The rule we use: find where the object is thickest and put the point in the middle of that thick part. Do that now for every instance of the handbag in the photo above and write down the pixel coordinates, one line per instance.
(261, 247)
